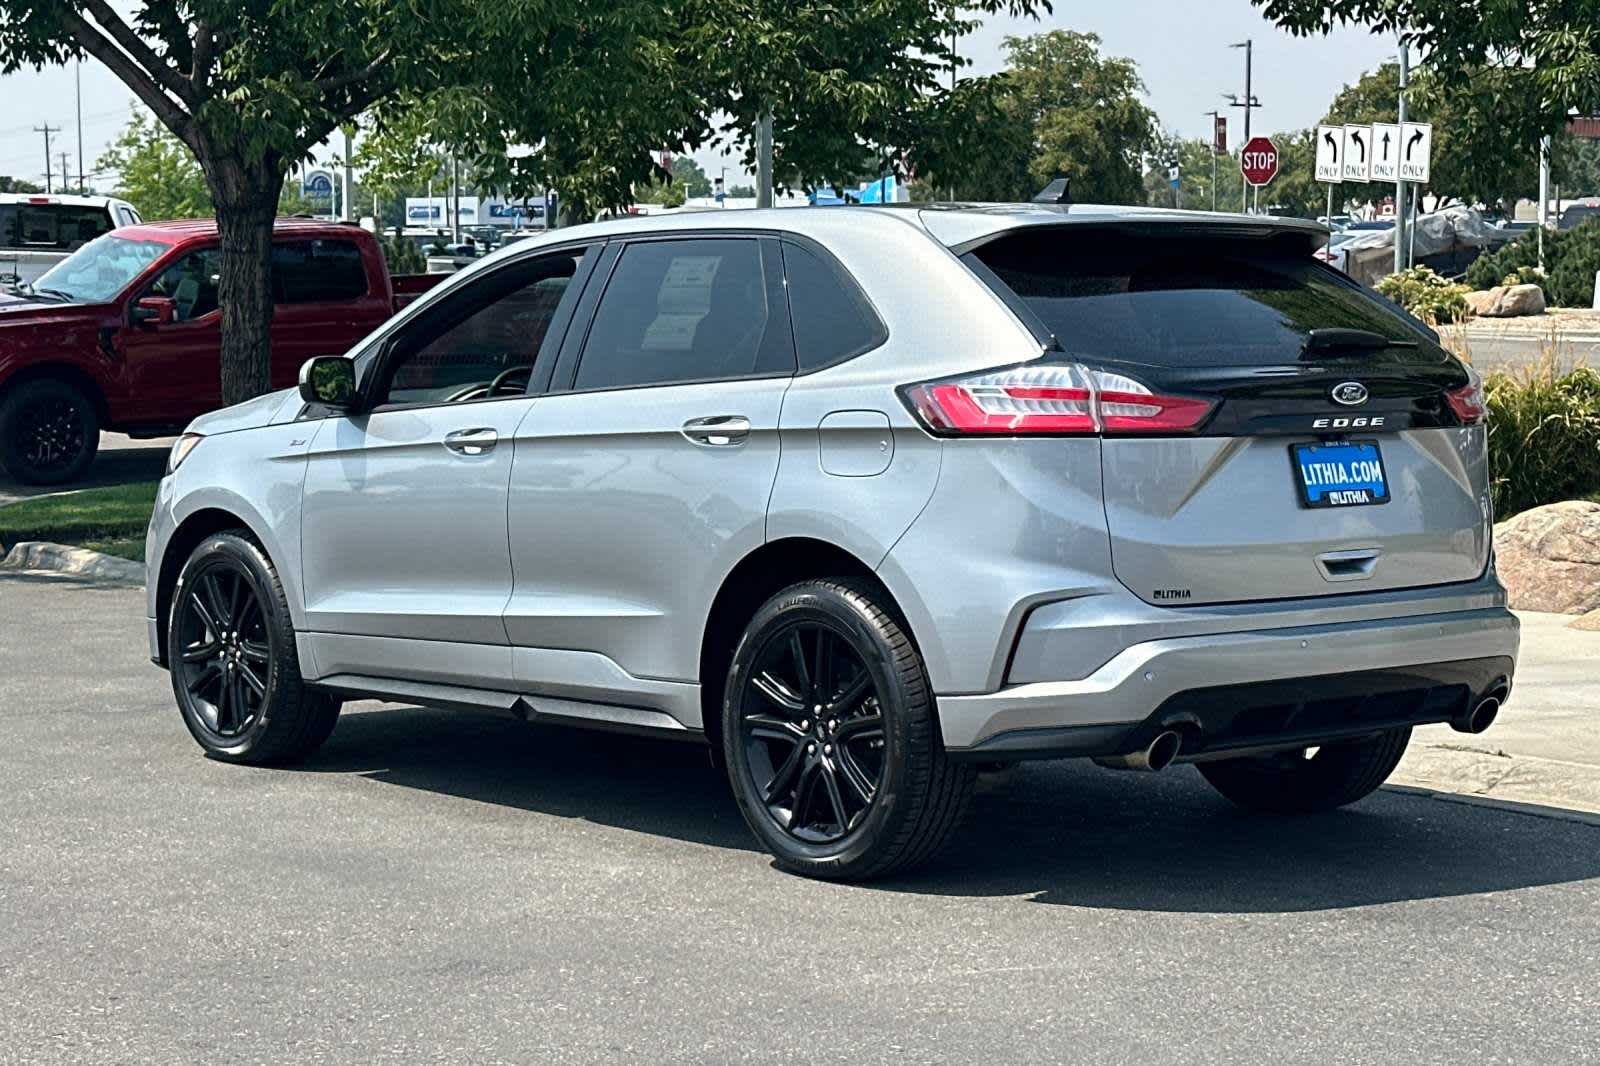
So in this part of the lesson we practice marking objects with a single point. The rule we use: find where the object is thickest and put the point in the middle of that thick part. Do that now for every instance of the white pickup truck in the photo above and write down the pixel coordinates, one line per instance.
(38, 230)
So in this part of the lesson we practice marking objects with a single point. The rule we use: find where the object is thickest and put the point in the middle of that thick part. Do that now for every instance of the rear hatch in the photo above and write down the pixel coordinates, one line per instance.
(1343, 450)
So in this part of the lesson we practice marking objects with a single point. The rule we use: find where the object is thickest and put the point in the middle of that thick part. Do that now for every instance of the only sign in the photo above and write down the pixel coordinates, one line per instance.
(1259, 160)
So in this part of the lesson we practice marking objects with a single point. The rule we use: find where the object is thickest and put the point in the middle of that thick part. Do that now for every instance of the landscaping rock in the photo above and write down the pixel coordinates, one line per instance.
(1549, 557)
(1507, 301)
(1590, 622)
(61, 558)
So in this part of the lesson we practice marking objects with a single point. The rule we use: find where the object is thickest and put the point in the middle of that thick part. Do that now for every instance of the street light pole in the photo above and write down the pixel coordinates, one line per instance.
(1249, 103)
(1215, 115)
(1400, 220)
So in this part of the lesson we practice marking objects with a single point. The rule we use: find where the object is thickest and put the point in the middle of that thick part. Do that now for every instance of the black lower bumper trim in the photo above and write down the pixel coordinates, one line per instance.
(1220, 720)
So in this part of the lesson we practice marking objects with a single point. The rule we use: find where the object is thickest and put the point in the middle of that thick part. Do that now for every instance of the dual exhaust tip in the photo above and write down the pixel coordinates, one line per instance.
(1165, 746)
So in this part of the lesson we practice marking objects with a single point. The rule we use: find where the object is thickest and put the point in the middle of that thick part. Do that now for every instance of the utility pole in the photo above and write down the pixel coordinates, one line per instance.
(77, 80)
(1215, 115)
(1249, 103)
(47, 130)
(764, 161)
(66, 178)
(1400, 220)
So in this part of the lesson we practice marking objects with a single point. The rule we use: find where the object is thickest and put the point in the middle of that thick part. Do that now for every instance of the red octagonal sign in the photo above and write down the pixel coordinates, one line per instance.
(1259, 160)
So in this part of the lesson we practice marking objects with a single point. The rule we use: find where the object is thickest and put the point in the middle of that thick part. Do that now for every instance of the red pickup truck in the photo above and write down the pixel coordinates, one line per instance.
(124, 334)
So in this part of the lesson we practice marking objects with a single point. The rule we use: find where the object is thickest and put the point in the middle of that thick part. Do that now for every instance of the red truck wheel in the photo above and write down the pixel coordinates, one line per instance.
(49, 432)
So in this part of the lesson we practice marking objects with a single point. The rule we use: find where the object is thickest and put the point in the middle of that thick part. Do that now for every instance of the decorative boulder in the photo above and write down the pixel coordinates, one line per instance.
(1549, 557)
(1507, 301)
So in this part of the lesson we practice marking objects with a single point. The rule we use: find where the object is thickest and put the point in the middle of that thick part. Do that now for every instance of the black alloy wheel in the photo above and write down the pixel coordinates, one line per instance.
(831, 736)
(235, 667)
(224, 658)
(49, 432)
(812, 723)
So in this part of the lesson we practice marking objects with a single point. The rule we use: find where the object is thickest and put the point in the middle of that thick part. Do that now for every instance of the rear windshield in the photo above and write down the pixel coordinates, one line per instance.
(51, 227)
(1177, 301)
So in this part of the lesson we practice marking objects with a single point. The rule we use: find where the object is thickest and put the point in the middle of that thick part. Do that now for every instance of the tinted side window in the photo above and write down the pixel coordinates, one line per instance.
(54, 226)
(317, 272)
(832, 319)
(690, 310)
(486, 342)
(191, 283)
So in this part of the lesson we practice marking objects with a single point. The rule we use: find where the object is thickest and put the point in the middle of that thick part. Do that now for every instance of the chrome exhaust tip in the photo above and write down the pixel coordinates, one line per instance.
(1481, 717)
(1157, 755)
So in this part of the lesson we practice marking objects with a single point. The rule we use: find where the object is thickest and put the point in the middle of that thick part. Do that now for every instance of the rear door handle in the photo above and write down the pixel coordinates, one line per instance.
(471, 441)
(718, 431)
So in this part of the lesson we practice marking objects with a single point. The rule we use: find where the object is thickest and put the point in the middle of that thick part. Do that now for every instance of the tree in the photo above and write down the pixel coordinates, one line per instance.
(688, 173)
(591, 86)
(1193, 158)
(156, 172)
(10, 184)
(1511, 71)
(1059, 109)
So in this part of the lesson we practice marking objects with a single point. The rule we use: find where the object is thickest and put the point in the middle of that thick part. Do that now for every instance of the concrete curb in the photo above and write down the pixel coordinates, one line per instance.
(1548, 787)
(37, 555)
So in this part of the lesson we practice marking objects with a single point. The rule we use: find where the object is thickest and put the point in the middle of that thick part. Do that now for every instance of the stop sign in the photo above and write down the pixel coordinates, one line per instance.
(1259, 160)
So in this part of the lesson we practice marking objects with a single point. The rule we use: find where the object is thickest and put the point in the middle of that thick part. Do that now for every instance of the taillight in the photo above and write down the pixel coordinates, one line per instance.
(1050, 399)
(1467, 401)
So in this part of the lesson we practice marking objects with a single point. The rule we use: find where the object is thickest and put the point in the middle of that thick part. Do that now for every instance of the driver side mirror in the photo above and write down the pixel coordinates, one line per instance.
(154, 311)
(329, 380)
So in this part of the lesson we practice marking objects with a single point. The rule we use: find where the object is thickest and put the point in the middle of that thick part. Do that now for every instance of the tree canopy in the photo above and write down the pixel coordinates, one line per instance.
(156, 172)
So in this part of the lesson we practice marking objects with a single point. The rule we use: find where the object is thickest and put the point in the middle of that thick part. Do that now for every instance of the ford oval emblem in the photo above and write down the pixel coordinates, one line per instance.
(1350, 393)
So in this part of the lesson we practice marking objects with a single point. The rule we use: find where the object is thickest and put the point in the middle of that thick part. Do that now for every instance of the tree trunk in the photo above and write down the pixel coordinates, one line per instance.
(246, 199)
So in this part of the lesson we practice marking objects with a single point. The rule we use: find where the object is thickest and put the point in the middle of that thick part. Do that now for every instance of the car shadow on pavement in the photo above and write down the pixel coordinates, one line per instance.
(1058, 832)
(125, 463)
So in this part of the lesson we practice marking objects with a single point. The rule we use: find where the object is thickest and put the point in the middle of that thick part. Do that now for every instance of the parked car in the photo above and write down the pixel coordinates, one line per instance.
(125, 333)
(1574, 214)
(863, 499)
(39, 230)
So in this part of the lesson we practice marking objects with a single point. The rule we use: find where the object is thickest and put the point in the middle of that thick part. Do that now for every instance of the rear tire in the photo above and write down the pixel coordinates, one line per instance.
(49, 432)
(1291, 783)
(235, 669)
(831, 736)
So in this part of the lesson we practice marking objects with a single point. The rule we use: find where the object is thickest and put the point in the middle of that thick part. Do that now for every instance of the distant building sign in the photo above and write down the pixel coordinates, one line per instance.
(317, 185)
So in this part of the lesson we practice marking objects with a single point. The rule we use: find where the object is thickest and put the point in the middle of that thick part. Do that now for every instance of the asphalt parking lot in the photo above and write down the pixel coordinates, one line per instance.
(444, 888)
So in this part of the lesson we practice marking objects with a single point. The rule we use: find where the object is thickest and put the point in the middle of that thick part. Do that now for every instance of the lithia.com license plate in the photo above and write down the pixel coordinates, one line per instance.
(1346, 474)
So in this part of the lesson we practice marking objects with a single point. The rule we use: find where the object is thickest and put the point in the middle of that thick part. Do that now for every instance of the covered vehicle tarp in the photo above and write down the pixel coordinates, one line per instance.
(1446, 240)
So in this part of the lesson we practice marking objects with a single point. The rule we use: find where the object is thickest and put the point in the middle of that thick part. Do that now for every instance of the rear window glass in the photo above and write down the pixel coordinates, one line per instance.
(51, 227)
(1178, 301)
(317, 271)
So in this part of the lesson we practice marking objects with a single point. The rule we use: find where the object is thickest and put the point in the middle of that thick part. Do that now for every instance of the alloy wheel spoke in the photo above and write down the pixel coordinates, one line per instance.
(205, 677)
(766, 727)
(845, 701)
(784, 778)
(802, 795)
(203, 612)
(854, 776)
(255, 651)
(869, 727)
(830, 785)
(218, 606)
(249, 677)
(797, 652)
(777, 692)
(236, 604)
(202, 651)
(821, 672)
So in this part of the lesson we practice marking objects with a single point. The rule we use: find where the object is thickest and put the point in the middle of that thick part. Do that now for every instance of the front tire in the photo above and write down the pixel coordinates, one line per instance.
(235, 671)
(831, 737)
(1307, 780)
(49, 432)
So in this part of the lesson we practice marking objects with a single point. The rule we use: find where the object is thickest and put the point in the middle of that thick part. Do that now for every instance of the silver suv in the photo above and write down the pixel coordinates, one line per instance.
(863, 499)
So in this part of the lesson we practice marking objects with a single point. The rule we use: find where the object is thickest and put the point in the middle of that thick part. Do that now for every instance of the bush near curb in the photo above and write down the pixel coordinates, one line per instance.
(1426, 294)
(1544, 437)
(1571, 258)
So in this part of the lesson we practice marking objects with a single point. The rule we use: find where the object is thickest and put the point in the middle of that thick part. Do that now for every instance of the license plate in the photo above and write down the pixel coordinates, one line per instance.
(1346, 474)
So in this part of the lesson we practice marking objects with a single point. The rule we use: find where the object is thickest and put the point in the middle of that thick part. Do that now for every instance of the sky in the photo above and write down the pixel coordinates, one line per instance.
(1180, 46)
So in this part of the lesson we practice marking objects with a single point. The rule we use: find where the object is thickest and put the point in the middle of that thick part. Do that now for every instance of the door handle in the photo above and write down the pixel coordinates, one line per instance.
(471, 441)
(718, 431)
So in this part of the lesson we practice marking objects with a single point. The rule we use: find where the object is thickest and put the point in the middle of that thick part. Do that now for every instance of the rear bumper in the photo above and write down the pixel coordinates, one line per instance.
(1243, 689)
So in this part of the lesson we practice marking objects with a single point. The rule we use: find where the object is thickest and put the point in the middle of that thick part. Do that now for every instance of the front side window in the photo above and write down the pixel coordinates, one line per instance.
(688, 310)
(318, 271)
(191, 284)
(99, 270)
(485, 341)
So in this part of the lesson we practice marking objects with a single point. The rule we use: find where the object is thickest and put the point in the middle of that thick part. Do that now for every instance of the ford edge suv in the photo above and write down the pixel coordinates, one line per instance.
(865, 500)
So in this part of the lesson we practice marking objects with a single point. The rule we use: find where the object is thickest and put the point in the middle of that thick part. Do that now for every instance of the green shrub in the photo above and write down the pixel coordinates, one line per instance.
(403, 256)
(1426, 294)
(1544, 437)
(1526, 275)
(1571, 258)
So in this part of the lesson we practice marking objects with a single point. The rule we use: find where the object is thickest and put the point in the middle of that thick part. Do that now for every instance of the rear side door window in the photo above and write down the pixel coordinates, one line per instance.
(317, 271)
(832, 319)
(674, 311)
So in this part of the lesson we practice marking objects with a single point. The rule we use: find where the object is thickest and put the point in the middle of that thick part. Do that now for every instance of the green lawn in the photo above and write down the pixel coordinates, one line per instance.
(110, 520)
